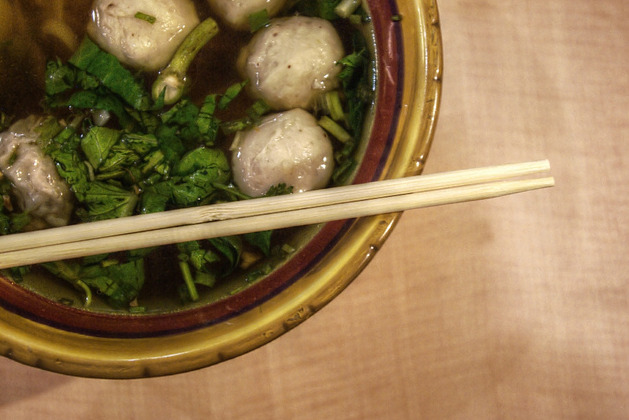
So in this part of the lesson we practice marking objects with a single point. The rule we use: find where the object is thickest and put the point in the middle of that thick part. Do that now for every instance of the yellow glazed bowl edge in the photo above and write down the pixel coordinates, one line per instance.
(70, 353)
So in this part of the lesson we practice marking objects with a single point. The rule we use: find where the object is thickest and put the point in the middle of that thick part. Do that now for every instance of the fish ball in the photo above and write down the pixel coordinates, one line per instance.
(292, 61)
(125, 28)
(236, 12)
(36, 184)
(288, 147)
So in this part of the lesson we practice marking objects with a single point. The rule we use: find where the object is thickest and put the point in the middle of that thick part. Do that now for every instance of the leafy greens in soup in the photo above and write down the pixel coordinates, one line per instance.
(114, 121)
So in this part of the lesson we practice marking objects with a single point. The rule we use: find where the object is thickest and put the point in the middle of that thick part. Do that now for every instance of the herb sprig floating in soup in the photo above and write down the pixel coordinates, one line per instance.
(157, 105)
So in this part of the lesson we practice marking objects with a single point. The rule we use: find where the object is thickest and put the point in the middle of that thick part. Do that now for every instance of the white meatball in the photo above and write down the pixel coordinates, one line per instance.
(117, 27)
(39, 189)
(287, 147)
(236, 12)
(292, 61)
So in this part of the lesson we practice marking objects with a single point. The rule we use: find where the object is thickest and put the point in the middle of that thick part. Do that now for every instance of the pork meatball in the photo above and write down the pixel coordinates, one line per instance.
(288, 147)
(36, 185)
(292, 61)
(236, 13)
(126, 29)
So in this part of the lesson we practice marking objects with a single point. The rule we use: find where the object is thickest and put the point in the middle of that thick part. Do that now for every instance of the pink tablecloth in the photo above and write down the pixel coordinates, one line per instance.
(510, 308)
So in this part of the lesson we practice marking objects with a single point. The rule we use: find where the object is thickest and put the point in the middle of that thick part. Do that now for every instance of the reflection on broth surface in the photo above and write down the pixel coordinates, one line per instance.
(123, 150)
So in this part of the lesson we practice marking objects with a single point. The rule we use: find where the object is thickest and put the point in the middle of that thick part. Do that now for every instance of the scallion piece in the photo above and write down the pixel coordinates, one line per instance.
(334, 106)
(332, 127)
(347, 7)
(172, 80)
(189, 281)
(148, 18)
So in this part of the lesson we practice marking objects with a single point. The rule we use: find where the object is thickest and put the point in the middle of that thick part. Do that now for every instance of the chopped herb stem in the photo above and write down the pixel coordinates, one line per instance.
(87, 300)
(172, 80)
(347, 7)
(334, 129)
(334, 105)
(137, 309)
(189, 281)
(148, 18)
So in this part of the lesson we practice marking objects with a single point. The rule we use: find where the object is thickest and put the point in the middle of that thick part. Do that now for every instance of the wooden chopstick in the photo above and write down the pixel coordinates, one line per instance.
(268, 213)
(225, 211)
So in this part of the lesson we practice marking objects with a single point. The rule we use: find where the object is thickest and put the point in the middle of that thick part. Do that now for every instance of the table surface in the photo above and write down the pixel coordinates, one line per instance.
(515, 307)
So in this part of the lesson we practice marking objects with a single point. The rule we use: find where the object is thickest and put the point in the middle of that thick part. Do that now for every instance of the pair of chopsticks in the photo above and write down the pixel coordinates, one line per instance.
(268, 213)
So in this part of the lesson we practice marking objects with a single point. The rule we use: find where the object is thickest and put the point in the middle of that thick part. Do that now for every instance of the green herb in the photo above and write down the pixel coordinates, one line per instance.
(279, 189)
(94, 79)
(198, 266)
(334, 129)
(190, 288)
(64, 151)
(119, 282)
(16, 273)
(12, 222)
(355, 19)
(230, 94)
(97, 144)
(254, 115)
(347, 7)
(207, 122)
(230, 248)
(231, 191)
(172, 80)
(260, 240)
(139, 143)
(319, 8)
(106, 201)
(330, 103)
(59, 78)
(118, 163)
(343, 169)
(287, 249)
(47, 131)
(145, 17)
(357, 79)
(258, 20)
(137, 309)
(102, 100)
(108, 70)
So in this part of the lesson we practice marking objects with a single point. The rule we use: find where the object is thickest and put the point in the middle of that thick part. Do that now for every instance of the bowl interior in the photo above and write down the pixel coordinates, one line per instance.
(223, 323)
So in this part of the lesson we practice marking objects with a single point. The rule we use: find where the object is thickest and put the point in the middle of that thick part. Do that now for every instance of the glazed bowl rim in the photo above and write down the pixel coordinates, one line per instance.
(74, 352)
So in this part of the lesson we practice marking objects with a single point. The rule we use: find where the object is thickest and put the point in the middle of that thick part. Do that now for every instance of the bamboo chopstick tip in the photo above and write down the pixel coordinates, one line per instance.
(168, 227)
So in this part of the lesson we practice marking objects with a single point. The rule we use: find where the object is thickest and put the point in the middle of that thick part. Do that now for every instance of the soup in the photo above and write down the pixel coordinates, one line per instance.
(159, 147)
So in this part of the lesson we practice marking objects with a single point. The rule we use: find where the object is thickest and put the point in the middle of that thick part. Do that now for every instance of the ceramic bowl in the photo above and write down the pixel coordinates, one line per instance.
(236, 317)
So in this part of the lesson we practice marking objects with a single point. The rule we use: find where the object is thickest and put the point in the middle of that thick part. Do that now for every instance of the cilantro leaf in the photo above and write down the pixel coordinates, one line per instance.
(230, 248)
(97, 143)
(106, 68)
(119, 282)
(106, 201)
